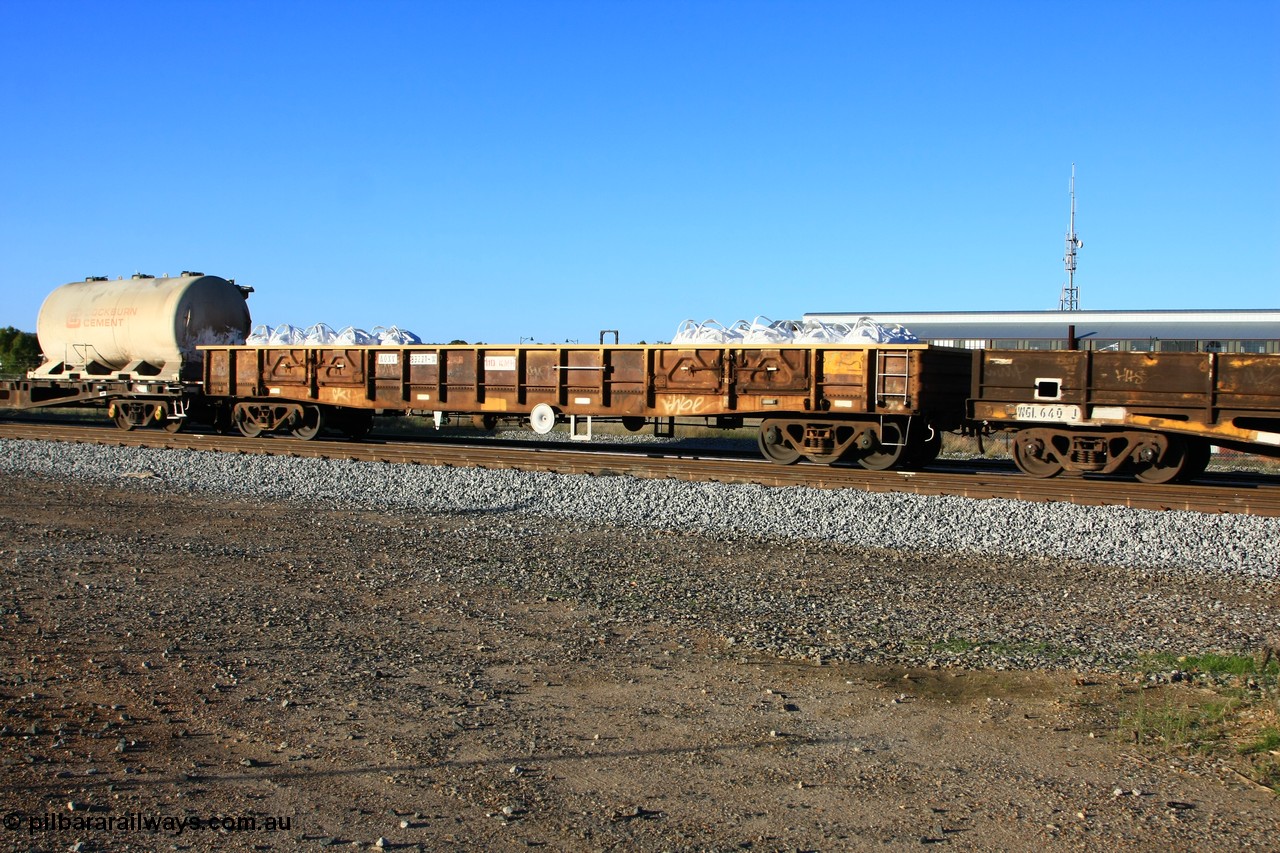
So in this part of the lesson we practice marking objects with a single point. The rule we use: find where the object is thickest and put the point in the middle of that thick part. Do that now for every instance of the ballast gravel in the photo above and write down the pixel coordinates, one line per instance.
(1241, 546)
(503, 680)
(801, 573)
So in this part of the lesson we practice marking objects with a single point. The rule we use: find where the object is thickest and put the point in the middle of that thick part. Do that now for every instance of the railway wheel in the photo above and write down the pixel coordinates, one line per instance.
(122, 419)
(1167, 467)
(309, 425)
(1030, 456)
(245, 422)
(129, 416)
(484, 422)
(889, 448)
(774, 446)
(165, 420)
(633, 424)
(248, 428)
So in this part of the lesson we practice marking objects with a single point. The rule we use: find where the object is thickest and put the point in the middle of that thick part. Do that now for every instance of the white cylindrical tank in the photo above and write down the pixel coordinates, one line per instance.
(142, 326)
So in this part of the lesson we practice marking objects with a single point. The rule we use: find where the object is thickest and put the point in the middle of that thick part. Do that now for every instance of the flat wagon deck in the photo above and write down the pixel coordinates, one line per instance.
(880, 405)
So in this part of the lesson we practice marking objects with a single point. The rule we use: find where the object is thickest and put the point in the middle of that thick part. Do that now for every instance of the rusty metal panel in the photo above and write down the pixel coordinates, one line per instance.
(541, 374)
(1015, 375)
(460, 367)
(771, 371)
(248, 371)
(582, 379)
(424, 367)
(915, 380)
(1187, 392)
(1004, 379)
(940, 384)
(218, 377)
(460, 376)
(390, 387)
(626, 381)
(1248, 382)
(893, 381)
(499, 379)
(698, 371)
(498, 373)
(841, 380)
(627, 371)
(688, 382)
(388, 365)
(1165, 380)
(284, 367)
(347, 366)
(422, 378)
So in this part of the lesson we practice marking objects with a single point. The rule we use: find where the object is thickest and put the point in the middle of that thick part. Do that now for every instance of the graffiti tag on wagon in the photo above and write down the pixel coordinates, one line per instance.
(672, 406)
(1001, 368)
(1129, 376)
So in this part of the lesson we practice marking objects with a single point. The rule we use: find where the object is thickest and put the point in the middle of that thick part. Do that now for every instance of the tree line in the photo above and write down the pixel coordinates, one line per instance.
(19, 351)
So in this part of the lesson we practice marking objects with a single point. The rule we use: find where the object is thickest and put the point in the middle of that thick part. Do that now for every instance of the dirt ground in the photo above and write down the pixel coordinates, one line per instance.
(189, 673)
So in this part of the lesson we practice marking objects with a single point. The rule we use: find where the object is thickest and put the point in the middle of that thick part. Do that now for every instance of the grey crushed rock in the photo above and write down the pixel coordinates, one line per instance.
(1244, 546)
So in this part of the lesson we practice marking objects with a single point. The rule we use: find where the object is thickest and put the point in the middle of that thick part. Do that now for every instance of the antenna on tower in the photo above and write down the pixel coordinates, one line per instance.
(1070, 298)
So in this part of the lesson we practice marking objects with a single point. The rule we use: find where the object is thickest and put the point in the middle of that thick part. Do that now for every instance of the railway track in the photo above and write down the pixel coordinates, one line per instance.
(1218, 493)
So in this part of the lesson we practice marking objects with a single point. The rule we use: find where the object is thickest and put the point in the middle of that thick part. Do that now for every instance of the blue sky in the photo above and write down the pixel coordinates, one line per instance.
(496, 171)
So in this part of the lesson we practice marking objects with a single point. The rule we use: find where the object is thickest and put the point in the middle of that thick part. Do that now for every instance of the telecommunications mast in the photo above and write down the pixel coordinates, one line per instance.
(1070, 298)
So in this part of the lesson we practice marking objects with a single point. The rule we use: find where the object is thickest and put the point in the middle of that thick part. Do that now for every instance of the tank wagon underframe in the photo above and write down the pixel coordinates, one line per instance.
(1154, 413)
(128, 403)
(873, 404)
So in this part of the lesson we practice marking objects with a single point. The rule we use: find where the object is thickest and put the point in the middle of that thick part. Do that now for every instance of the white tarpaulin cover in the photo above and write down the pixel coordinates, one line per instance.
(762, 330)
(321, 334)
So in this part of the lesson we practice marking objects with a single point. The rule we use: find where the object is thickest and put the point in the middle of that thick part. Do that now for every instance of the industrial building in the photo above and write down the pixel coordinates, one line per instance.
(1244, 330)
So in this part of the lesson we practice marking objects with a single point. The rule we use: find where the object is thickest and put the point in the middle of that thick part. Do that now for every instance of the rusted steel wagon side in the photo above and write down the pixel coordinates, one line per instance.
(1155, 414)
(879, 405)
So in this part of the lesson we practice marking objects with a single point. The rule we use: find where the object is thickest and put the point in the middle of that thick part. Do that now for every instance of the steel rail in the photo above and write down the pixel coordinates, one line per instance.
(1244, 494)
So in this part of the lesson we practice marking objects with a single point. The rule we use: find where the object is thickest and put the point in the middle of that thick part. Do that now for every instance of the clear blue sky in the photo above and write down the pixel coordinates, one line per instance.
(498, 170)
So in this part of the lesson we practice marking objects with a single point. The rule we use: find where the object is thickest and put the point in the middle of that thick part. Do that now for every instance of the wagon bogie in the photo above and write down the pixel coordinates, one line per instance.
(874, 444)
(255, 417)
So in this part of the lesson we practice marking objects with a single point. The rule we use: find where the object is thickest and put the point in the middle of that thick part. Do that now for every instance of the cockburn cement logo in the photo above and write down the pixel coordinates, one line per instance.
(102, 318)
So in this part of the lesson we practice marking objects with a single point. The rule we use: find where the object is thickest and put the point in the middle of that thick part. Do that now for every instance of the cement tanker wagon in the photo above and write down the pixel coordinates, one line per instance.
(138, 327)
